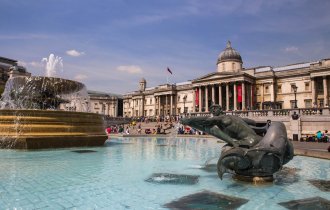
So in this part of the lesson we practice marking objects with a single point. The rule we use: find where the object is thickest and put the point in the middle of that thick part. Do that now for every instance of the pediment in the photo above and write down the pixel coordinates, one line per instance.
(216, 77)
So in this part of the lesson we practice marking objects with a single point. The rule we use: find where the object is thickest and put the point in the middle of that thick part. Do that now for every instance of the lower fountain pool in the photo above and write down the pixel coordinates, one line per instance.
(152, 173)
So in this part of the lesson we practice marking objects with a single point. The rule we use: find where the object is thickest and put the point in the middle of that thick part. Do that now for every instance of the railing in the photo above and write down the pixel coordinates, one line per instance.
(272, 112)
(116, 120)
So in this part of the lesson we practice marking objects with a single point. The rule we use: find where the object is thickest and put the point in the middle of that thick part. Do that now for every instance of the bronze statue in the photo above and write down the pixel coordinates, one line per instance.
(251, 151)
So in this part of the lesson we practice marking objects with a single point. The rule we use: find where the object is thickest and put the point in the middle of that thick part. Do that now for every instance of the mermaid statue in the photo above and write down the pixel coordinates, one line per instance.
(251, 151)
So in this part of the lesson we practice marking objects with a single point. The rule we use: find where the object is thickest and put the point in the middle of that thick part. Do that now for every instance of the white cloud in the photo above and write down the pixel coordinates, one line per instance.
(80, 77)
(30, 64)
(130, 69)
(74, 53)
(291, 49)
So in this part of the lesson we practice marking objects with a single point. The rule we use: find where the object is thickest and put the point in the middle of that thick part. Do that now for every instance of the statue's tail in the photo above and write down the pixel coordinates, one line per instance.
(232, 159)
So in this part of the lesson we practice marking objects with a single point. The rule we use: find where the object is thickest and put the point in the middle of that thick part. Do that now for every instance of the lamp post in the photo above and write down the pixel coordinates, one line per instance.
(295, 96)
(184, 104)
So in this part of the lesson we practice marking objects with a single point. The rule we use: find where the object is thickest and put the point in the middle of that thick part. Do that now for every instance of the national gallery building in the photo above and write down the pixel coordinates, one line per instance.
(302, 85)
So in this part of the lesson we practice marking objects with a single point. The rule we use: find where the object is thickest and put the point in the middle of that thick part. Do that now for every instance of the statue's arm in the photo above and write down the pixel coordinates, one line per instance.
(217, 132)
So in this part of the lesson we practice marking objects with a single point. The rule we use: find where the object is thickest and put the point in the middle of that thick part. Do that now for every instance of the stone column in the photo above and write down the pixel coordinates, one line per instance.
(142, 106)
(235, 96)
(200, 99)
(227, 96)
(272, 92)
(251, 95)
(159, 105)
(313, 91)
(213, 94)
(206, 98)
(171, 104)
(220, 95)
(166, 105)
(262, 96)
(325, 90)
(116, 108)
(243, 96)
(194, 99)
(155, 106)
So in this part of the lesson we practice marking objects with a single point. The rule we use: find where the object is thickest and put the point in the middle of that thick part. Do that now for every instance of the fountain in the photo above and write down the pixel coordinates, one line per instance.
(48, 112)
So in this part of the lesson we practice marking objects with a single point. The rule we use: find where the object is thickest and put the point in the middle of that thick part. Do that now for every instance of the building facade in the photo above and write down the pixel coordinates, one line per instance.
(106, 103)
(302, 85)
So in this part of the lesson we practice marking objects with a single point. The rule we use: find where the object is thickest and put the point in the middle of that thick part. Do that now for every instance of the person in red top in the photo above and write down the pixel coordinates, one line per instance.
(108, 130)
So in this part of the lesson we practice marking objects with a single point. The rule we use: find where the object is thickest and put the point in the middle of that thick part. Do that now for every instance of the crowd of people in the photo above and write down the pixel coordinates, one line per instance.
(318, 137)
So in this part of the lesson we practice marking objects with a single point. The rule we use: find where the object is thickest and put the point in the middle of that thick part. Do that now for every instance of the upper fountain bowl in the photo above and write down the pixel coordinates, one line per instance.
(38, 92)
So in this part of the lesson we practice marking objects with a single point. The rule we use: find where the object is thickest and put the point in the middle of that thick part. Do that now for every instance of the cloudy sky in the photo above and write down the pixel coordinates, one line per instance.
(111, 44)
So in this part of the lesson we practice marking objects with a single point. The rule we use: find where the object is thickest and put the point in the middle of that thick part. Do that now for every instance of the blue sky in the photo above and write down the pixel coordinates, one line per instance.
(111, 44)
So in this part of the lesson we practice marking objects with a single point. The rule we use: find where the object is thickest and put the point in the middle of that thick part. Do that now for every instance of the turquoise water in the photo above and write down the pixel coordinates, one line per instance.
(114, 176)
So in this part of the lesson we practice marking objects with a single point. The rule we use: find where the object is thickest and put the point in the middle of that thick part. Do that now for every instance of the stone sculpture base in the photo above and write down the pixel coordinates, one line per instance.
(254, 179)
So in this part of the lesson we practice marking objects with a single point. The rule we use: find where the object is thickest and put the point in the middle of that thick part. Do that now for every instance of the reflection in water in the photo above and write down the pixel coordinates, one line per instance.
(167, 178)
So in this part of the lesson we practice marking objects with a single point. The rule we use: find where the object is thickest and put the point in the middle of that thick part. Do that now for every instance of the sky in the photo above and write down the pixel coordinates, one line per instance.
(110, 45)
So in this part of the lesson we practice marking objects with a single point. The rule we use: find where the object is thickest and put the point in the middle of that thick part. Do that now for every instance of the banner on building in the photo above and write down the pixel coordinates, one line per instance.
(197, 97)
(239, 93)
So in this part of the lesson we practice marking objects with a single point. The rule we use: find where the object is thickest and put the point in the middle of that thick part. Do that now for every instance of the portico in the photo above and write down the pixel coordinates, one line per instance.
(228, 93)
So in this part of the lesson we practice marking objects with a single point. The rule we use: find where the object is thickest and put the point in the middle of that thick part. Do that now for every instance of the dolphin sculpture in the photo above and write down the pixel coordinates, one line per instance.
(251, 151)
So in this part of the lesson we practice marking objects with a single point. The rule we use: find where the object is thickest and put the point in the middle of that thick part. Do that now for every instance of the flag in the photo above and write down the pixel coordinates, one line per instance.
(169, 70)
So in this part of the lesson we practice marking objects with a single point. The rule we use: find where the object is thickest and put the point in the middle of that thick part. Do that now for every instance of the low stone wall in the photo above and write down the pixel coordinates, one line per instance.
(312, 153)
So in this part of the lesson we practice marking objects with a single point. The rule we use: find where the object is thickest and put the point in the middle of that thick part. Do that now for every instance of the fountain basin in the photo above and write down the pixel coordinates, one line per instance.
(37, 129)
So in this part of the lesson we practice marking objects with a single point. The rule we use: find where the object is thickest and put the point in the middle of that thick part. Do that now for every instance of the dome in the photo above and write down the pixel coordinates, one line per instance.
(143, 80)
(229, 54)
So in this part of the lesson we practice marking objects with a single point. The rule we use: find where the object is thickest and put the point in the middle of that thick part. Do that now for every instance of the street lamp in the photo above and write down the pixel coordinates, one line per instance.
(184, 104)
(294, 87)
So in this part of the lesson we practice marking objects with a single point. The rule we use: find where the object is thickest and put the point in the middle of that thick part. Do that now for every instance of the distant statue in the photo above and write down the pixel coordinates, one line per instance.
(295, 116)
(251, 151)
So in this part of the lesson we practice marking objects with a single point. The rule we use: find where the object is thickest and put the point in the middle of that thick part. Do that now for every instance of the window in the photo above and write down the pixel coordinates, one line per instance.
(145, 101)
(308, 103)
(257, 90)
(306, 86)
(319, 85)
(267, 89)
(292, 104)
(233, 66)
(151, 101)
(279, 88)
